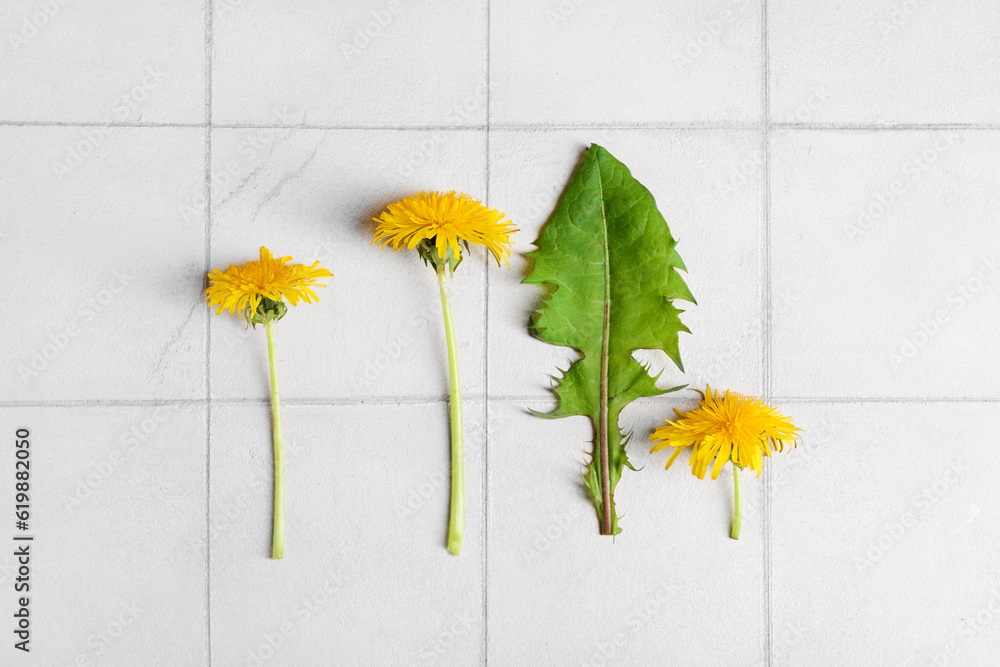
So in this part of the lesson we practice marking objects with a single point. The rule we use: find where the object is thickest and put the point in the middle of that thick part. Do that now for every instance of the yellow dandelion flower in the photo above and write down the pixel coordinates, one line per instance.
(449, 219)
(726, 427)
(258, 291)
(242, 288)
(438, 225)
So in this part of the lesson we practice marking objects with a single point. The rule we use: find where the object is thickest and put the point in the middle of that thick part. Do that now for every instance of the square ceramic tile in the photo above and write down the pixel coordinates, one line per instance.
(371, 63)
(377, 330)
(891, 242)
(98, 243)
(654, 594)
(883, 549)
(706, 185)
(366, 578)
(117, 62)
(117, 562)
(640, 62)
(884, 62)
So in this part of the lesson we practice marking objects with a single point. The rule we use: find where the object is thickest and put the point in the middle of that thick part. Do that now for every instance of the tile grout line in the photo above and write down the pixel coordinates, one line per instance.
(766, 305)
(886, 399)
(485, 538)
(208, 328)
(347, 402)
(806, 399)
(96, 123)
(419, 400)
(874, 127)
(529, 127)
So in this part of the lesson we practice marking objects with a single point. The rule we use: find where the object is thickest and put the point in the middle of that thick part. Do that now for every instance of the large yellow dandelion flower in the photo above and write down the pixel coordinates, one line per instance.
(449, 219)
(725, 426)
(242, 288)
(438, 225)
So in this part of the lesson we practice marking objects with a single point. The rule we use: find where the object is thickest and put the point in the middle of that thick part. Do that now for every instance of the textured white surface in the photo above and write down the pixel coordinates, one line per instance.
(830, 169)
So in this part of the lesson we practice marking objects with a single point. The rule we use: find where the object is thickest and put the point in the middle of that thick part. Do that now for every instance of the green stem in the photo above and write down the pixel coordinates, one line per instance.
(456, 522)
(738, 517)
(278, 542)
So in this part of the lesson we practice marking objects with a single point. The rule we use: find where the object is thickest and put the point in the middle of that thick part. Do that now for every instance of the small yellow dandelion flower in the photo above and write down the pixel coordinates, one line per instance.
(242, 288)
(449, 219)
(258, 290)
(726, 426)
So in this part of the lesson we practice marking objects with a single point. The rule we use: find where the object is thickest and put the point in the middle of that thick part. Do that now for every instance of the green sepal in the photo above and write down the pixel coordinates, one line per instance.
(266, 309)
(427, 249)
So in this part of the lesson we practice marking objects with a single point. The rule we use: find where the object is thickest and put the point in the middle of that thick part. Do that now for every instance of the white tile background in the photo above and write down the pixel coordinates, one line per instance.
(832, 172)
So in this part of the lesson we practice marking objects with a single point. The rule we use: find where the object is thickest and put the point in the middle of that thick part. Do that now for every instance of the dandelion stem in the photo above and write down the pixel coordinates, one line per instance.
(278, 542)
(738, 517)
(456, 522)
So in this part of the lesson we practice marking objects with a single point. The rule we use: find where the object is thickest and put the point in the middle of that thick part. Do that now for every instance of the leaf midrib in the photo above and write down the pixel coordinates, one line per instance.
(605, 348)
